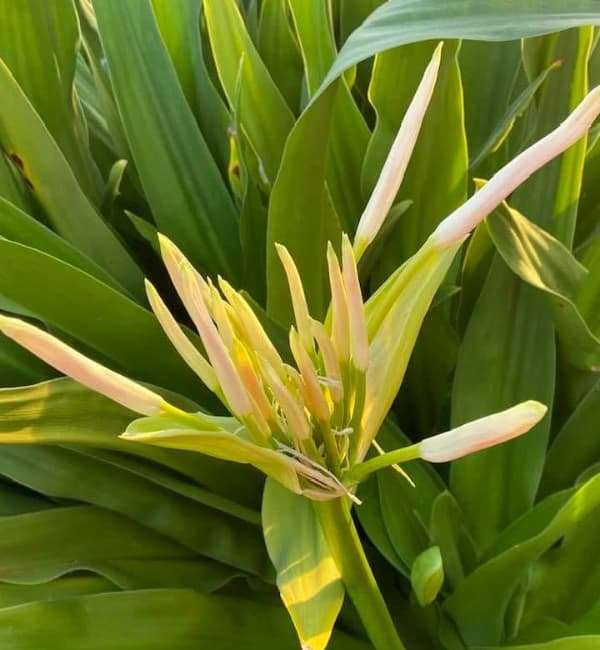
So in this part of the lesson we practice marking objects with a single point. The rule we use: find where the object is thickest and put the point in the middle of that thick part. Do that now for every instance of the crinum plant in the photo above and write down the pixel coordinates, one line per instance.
(310, 421)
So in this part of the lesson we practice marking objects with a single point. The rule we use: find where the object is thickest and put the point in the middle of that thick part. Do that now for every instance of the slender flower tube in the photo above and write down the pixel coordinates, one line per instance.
(298, 298)
(359, 340)
(462, 221)
(87, 372)
(229, 379)
(397, 161)
(340, 333)
(482, 433)
(186, 349)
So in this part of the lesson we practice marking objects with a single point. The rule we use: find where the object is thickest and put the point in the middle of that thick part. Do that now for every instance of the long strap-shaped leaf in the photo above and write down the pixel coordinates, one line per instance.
(182, 182)
(266, 118)
(407, 21)
(39, 45)
(24, 135)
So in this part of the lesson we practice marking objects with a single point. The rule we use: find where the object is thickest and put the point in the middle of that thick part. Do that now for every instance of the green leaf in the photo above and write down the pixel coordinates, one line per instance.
(265, 116)
(492, 74)
(17, 500)
(301, 215)
(25, 137)
(479, 603)
(353, 13)
(553, 195)
(62, 412)
(279, 50)
(12, 186)
(69, 474)
(17, 366)
(179, 25)
(21, 228)
(427, 575)
(567, 577)
(406, 21)
(349, 132)
(39, 46)
(510, 343)
(570, 643)
(543, 262)
(220, 443)
(476, 263)
(67, 587)
(307, 578)
(165, 619)
(370, 515)
(41, 546)
(508, 119)
(448, 531)
(186, 192)
(401, 516)
(575, 447)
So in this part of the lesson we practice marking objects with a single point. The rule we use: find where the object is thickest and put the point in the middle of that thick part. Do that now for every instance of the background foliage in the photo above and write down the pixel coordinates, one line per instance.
(229, 126)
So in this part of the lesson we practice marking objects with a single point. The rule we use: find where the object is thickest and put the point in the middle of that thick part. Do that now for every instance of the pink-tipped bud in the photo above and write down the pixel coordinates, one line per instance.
(299, 304)
(87, 372)
(175, 261)
(229, 380)
(462, 221)
(251, 328)
(251, 381)
(340, 332)
(359, 340)
(482, 433)
(186, 349)
(221, 316)
(397, 161)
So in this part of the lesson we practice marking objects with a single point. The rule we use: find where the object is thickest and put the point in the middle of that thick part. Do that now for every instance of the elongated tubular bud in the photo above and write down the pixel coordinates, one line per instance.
(297, 422)
(460, 223)
(359, 340)
(221, 318)
(482, 433)
(174, 261)
(315, 400)
(397, 161)
(186, 349)
(253, 331)
(298, 298)
(332, 367)
(246, 370)
(230, 382)
(57, 354)
(340, 332)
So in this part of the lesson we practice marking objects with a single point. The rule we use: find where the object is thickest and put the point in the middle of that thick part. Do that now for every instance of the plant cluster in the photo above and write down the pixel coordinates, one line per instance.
(323, 278)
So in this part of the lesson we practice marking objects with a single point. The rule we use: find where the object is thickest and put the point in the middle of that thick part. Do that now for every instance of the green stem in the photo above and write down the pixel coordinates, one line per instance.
(360, 472)
(343, 540)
